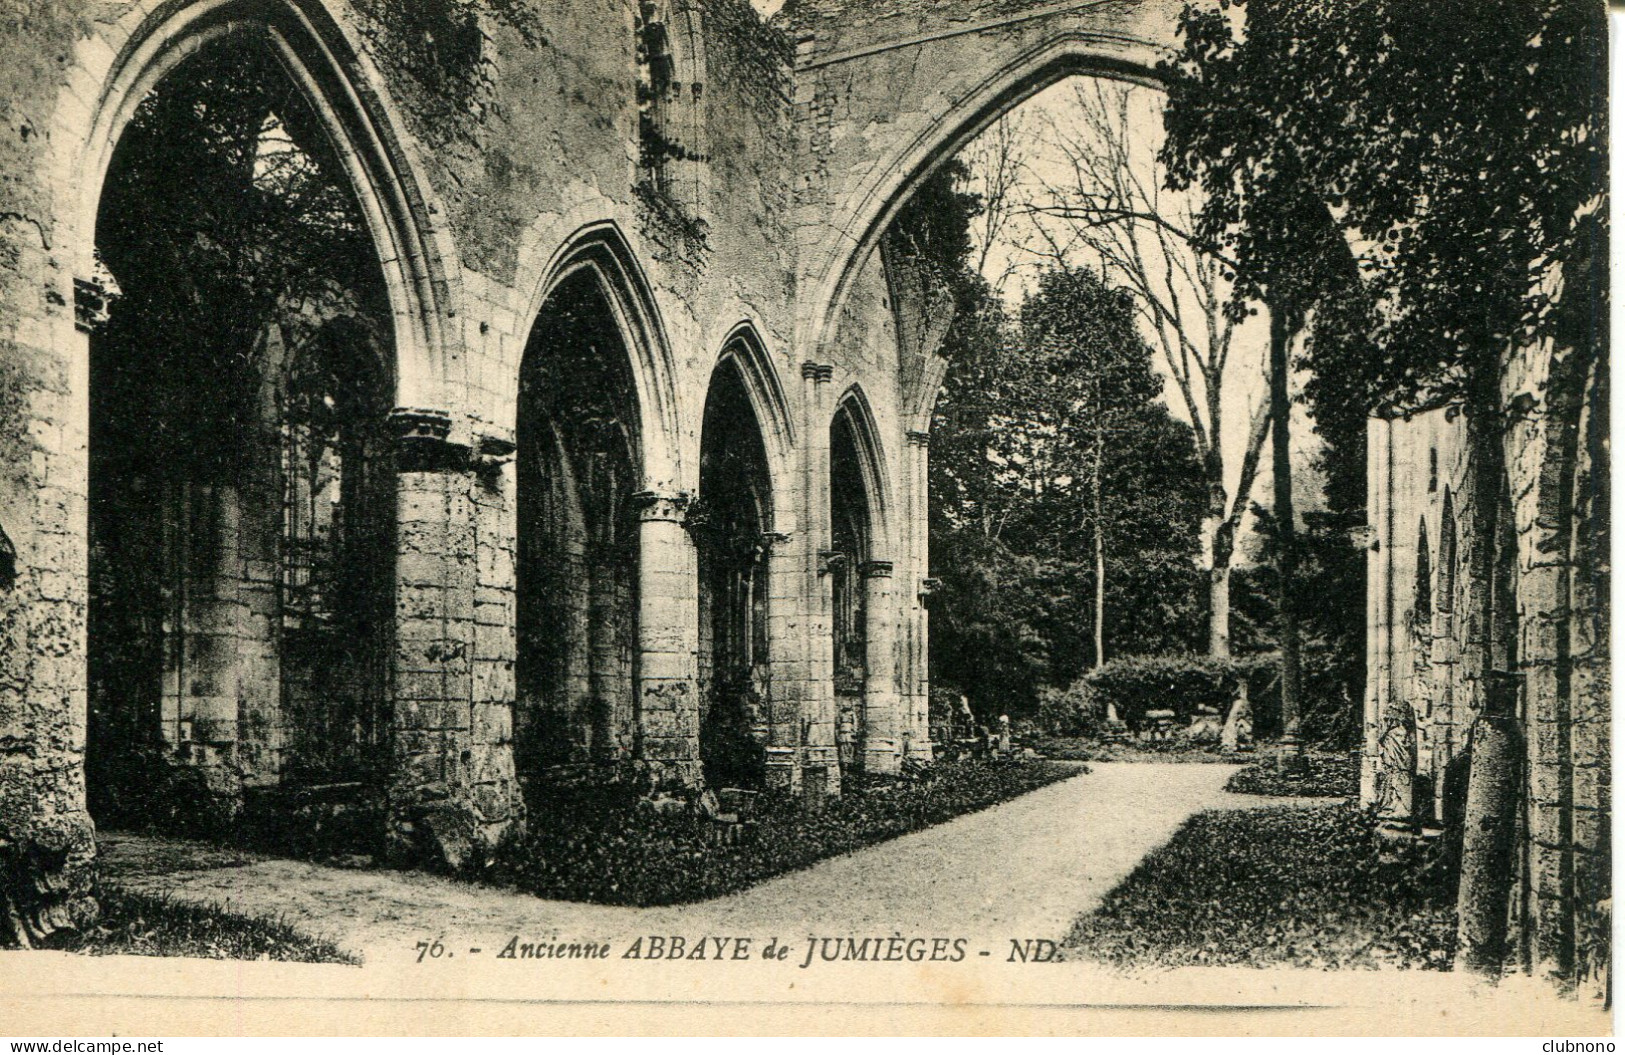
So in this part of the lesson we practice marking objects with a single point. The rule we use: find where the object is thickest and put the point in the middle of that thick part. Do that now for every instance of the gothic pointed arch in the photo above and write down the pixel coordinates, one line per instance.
(1445, 594)
(240, 484)
(859, 565)
(600, 251)
(341, 87)
(580, 453)
(865, 212)
(732, 524)
(854, 424)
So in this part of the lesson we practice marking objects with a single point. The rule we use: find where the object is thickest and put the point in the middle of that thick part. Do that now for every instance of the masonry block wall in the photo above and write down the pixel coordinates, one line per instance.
(1426, 641)
(497, 155)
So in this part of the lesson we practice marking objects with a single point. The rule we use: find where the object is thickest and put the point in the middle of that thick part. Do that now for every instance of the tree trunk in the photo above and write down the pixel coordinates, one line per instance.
(1286, 558)
(1100, 551)
(1494, 761)
(1218, 594)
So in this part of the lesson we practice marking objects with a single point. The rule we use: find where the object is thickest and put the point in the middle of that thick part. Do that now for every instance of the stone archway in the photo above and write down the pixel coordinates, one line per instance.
(605, 670)
(732, 525)
(579, 465)
(907, 86)
(240, 499)
(868, 727)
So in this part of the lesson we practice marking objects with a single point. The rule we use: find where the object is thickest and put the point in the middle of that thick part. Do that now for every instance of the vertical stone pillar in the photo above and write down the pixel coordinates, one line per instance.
(497, 799)
(1378, 578)
(668, 717)
(916, 717)
(47, 841)
(206, 669)
(444, 804)
(882, 720)
(787, 664)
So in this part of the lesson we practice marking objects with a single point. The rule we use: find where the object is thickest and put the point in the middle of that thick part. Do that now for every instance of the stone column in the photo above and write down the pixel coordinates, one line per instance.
(787, 667)
(47, 841)
(1378, 581)
(882, 705)
(915, 719)
(668, 715)
(451, 794)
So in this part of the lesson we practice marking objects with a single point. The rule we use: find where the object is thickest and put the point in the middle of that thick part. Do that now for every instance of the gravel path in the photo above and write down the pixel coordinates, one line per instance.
(1025, 868)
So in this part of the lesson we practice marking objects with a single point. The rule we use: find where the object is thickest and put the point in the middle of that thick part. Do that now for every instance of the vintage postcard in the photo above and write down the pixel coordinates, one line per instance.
(805, 517)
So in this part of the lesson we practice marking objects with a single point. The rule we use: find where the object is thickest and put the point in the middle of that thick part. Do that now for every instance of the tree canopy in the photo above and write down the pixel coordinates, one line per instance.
(1453, 149)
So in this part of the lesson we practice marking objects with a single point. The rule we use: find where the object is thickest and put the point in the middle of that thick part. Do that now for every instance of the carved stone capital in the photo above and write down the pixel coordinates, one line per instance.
(92, 301)
(817, 371)
(662, 506)
(421, 441)
(875, 569)
(917, 438)
(830, 560)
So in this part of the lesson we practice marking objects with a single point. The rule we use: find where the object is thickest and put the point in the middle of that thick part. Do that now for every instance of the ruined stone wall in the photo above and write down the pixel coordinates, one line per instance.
(44, 827)
(1421, 691)
(1425, 652)
(496, 151)
(1558, 469)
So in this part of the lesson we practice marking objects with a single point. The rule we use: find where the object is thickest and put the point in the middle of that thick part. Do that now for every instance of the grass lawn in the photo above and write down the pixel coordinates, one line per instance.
(1298, 886)
(1178, 749)
(139, 925)
(1326, 776)
(590, 844)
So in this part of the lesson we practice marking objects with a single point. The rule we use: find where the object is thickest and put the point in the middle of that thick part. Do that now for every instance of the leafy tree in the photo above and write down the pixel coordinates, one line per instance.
(1451, 154)
(1457, 146)
(1106, 199)
(225, 212)
(1064, 496)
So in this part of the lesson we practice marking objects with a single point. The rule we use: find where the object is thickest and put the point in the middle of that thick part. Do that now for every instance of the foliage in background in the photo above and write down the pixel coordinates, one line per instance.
(1288, 886)
(1014, 443)
(1329, 594)
(1422, 187)
(225, 211)
(1179, 683)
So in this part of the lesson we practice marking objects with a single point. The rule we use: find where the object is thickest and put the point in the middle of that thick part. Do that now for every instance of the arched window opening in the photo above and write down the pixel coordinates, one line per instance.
(240, 492)
(730, 522)
(578, 458)
(671, 91)
(1445, 600)
(1423, 610)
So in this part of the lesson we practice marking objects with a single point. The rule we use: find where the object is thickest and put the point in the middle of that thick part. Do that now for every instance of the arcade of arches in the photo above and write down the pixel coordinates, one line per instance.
(386, 443)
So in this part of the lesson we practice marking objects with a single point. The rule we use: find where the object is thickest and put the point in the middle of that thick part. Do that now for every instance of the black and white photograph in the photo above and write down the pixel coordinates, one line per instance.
(805, 517)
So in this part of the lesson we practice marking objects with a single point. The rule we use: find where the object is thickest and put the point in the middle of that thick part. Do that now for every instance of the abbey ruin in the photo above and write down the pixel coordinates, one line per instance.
(592, 438)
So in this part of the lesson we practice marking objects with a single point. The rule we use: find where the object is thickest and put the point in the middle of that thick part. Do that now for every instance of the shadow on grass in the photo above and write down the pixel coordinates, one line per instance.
(143, 925)
(610, 846)
(1323, 776)
(1279, 886)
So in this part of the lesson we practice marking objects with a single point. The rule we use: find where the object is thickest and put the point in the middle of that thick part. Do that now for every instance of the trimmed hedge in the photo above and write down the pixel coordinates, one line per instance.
(1178, 683)
(1300, 886)
(610, 845)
